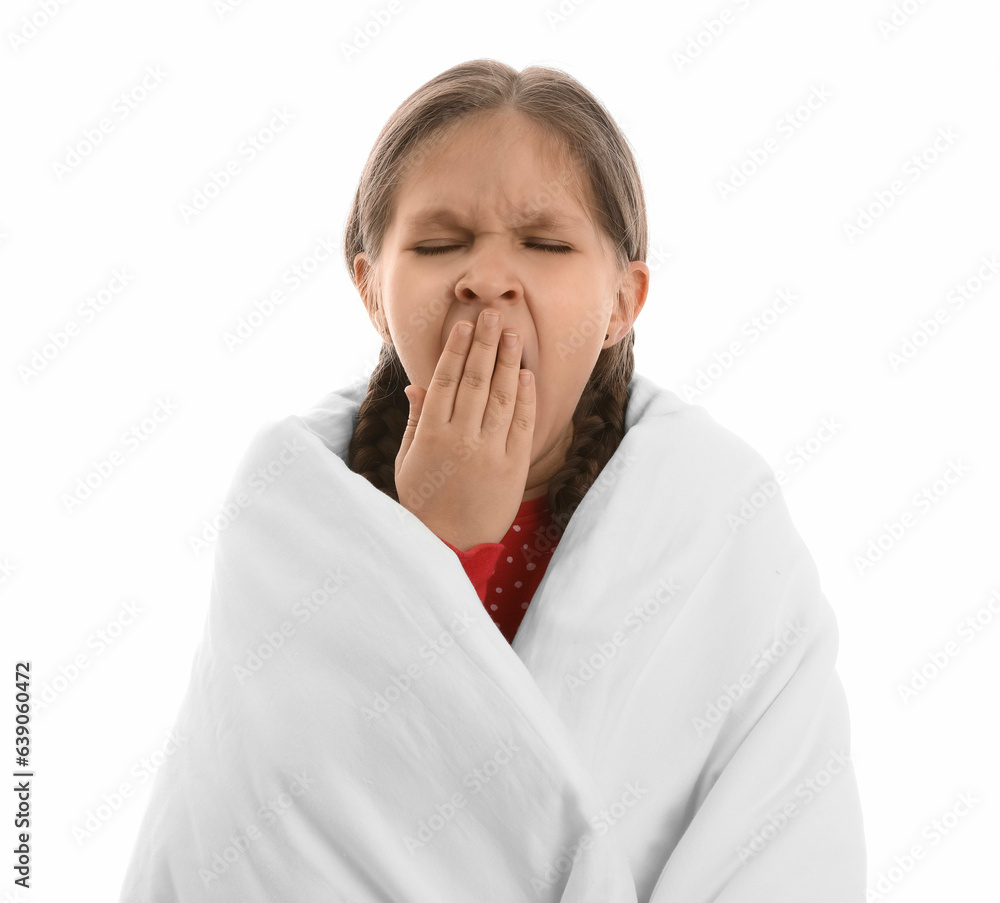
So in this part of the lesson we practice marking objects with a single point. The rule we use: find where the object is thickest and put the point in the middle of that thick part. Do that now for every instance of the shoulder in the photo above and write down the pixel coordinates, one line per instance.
(334, 417)
(331, 420)
(679, 441)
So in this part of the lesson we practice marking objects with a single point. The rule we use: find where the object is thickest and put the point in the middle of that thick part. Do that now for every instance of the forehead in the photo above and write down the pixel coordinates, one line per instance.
(500, 165)
(545, 218)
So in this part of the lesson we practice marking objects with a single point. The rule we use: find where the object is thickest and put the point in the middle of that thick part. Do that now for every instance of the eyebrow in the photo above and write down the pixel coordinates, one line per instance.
(443, 216)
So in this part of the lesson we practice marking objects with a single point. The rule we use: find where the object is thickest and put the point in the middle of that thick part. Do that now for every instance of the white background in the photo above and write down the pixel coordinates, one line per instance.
(717, 262)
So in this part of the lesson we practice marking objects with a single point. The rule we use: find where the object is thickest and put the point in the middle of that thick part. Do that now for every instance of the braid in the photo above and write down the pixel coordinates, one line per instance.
(598, 427)
(381, 423)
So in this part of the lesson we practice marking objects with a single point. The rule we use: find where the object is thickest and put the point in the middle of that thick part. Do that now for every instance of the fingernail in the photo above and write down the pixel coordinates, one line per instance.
(491, 318)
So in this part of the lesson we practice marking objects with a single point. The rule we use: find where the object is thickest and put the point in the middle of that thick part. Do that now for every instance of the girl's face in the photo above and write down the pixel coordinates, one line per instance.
(494, 219)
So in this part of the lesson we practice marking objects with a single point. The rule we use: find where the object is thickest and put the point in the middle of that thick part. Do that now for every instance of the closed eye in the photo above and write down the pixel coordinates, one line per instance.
(439, 249)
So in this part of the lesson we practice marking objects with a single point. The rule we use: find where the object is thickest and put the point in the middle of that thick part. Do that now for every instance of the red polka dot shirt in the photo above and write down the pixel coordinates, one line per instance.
(506, 574)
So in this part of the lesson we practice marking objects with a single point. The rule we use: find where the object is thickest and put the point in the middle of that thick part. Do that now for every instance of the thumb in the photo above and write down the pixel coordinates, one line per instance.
(415, 395)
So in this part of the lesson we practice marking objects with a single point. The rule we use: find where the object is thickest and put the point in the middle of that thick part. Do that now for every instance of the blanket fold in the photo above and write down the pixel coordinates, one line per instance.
(667, 724)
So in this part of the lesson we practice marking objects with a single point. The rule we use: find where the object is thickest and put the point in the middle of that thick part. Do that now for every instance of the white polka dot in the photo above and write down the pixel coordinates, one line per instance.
(517, 529)
(524, 546)
(524, 605)
(499, 590)
(509, 559)
(493, 608)
(531, 566)
(517, 585)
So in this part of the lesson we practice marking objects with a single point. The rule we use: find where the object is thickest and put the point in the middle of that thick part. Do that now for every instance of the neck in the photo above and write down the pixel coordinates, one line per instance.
(548, 465)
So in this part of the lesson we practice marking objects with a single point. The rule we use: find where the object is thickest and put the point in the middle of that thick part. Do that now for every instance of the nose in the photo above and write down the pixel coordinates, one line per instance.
(485, 298)
(489, 278)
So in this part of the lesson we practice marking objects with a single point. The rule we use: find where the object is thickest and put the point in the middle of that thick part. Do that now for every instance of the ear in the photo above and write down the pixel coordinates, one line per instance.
(629, 301)
(364, 278)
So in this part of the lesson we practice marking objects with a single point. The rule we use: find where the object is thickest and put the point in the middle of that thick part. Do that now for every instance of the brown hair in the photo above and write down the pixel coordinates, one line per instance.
(565, 110)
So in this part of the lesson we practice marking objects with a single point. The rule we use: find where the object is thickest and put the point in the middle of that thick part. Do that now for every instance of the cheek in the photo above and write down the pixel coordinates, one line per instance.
(416, 330)
(421, 359)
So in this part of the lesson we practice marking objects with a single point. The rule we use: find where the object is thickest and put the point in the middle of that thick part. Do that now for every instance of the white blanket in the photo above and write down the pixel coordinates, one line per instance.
(666, 726)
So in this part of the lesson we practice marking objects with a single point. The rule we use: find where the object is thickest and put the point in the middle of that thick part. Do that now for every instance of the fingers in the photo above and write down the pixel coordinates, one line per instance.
(475, 385)
(488, 390)
(522, 426)
(504, 390)
(439, 401)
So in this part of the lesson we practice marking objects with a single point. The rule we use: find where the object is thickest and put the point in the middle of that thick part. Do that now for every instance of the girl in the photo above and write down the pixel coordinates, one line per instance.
(641, 705)
(494, 216)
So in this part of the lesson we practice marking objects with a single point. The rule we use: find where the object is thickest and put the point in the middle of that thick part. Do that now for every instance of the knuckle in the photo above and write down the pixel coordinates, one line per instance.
(474, 379)
(522, 421)
(503, 397)
(444, 380)
(456, 357)
(485, 340)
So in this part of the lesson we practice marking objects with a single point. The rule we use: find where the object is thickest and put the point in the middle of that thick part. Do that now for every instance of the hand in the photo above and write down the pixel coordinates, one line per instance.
(463, 462)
